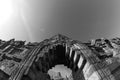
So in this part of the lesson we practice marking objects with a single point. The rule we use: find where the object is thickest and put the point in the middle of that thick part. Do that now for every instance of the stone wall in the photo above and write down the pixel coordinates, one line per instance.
(97, 59)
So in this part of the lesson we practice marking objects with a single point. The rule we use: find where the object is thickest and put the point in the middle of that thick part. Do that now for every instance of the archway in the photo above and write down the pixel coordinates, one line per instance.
(53, 55)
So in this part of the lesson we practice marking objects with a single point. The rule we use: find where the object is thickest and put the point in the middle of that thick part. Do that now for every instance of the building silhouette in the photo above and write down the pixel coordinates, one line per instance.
(97, 59)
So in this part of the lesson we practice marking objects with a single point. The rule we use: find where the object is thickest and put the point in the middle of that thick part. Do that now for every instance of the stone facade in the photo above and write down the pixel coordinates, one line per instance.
(97, 59)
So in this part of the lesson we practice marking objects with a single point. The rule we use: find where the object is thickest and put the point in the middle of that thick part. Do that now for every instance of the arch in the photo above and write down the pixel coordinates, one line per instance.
(59, 54)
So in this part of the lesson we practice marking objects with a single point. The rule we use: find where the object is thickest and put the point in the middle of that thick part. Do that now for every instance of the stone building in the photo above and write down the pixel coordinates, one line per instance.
(97, 59)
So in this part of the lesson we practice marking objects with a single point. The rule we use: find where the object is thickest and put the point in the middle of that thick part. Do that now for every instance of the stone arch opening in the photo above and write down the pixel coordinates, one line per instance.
(53, 56)
(59, 55)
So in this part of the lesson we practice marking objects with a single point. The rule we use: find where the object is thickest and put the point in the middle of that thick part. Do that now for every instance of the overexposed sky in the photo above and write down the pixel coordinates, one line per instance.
(36, 20)
(62, 69)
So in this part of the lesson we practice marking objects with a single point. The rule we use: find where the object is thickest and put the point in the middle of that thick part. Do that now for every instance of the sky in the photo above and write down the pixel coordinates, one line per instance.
(36, 20)
(60, 68)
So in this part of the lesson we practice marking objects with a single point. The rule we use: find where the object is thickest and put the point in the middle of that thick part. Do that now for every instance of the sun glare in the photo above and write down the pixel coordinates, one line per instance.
(6, 10)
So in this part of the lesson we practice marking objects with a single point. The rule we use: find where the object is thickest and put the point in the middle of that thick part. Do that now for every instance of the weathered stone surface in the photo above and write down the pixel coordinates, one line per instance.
(31, 61)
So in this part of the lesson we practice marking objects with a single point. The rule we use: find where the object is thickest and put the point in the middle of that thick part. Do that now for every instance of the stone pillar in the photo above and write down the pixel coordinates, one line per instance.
(71, 59)
(67, 50)
(76, 62)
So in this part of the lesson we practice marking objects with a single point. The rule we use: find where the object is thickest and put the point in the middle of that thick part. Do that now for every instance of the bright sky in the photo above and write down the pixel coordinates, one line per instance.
(60, 68)
(6, 10)
(36, 20)
(13, 22)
